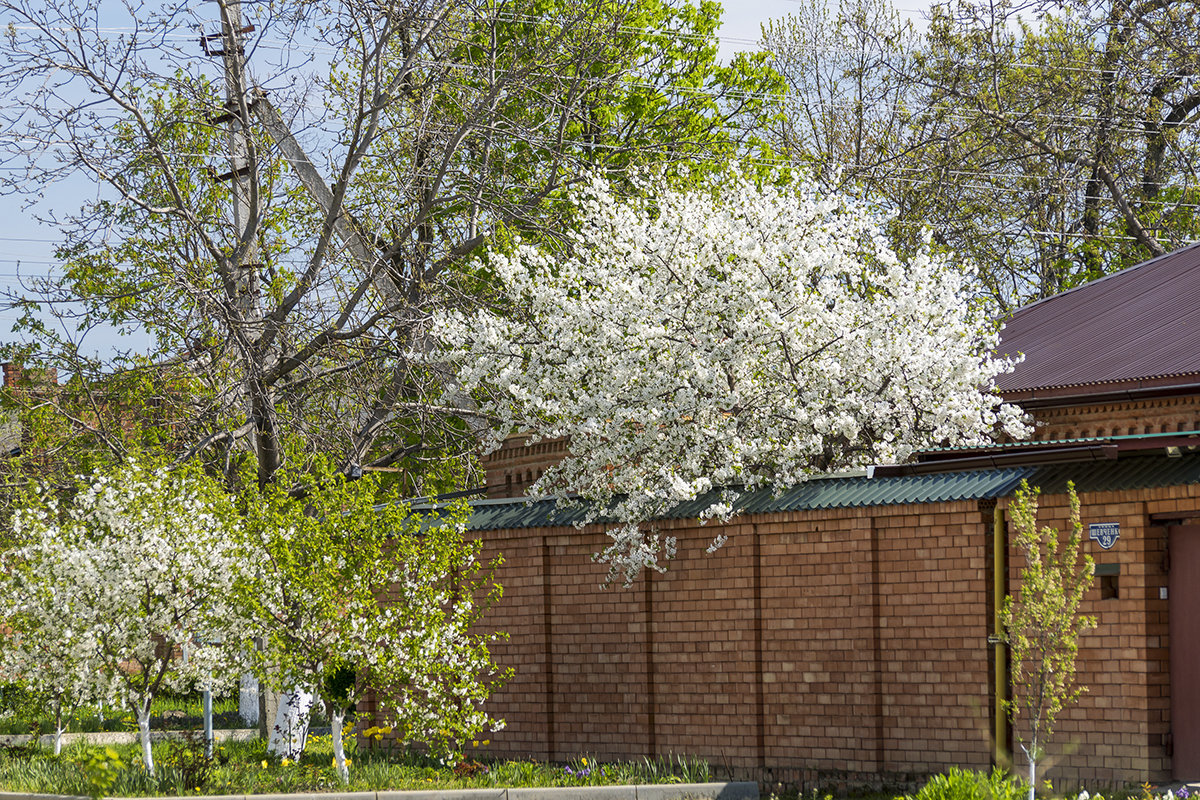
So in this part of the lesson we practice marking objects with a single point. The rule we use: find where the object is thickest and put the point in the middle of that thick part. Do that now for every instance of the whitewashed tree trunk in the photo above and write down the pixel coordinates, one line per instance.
(336, 716)
(1030, 755)
(58, 727)
(290, 730)
(248, 699)
(143, 721)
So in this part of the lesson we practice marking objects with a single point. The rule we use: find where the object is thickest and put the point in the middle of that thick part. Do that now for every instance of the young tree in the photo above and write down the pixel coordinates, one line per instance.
(353, 592)
(125, 573)
(57, 668)
(1043, 623)
(735, 335)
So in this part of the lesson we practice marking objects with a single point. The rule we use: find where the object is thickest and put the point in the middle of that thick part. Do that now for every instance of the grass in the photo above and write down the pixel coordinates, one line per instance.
(167, 713)
(245, 768)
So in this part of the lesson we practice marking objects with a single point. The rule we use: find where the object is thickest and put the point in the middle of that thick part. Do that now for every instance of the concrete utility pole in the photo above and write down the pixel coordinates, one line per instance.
(242, 167)
(244, 258)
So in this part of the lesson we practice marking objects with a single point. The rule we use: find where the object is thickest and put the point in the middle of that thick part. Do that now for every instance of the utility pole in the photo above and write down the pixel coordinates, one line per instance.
(244, 263)
(242, 172)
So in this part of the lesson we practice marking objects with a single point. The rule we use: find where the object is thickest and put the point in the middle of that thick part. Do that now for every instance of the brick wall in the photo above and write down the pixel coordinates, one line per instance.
(1119, 730)
(840, 642)
(1159, 415)
(517, 464)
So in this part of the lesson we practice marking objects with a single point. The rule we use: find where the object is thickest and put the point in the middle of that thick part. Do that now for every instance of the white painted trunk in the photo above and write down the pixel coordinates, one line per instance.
(248, 699)
(143, 721)
(58, 726)
(336, 716)
(1030, 752)
(290, 731)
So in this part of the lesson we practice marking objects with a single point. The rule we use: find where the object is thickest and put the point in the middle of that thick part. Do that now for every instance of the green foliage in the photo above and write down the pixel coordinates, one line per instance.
(477, 128)
(187, 754)
(1042, 623)
(960, 784)
(101, 768)
(353, 590)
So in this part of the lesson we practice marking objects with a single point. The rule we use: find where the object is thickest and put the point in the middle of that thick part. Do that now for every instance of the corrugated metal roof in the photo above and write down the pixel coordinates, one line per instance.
(1140, 323)
(1140, 472)
(1122, 474)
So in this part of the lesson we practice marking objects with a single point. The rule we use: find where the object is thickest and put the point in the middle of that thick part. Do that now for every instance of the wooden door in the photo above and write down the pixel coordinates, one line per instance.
(1183, 598)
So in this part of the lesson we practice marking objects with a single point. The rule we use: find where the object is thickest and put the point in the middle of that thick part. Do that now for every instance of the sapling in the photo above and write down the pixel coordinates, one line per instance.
(353, 592)
(1043, 624)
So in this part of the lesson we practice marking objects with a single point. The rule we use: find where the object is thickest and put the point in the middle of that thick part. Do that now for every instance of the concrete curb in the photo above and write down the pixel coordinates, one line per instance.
(737, 790)
(125, 737)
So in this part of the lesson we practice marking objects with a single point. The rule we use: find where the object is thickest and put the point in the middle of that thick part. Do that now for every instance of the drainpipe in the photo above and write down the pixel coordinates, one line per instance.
(1000, 689)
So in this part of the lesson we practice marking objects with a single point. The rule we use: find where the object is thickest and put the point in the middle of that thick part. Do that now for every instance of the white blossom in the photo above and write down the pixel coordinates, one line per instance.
(105, 594)
(736, 335)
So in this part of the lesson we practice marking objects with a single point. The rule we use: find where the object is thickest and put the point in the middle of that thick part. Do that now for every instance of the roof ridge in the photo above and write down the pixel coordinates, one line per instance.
(1103, 278)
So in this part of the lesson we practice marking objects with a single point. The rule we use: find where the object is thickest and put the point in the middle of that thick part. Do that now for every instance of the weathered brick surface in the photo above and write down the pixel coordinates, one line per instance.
(1158, 415)
(517, 464)
(849, 641)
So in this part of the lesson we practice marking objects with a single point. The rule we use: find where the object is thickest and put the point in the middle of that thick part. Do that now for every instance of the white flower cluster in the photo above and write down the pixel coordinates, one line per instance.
(734, 335)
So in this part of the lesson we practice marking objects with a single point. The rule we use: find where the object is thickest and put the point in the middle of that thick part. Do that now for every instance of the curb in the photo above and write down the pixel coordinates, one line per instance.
(124, 737)
(735, 790)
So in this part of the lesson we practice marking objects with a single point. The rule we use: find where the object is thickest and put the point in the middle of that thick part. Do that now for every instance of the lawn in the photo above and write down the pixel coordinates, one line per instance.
(169, 712)
(245, 768)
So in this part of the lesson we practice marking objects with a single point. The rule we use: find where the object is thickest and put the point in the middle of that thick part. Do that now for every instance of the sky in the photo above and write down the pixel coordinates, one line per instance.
(27, 248)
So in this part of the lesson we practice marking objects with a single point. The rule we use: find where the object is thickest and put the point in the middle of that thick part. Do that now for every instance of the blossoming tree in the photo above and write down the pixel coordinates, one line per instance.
(58, 667)
(739, 334)
(352, 591)
(129, 571)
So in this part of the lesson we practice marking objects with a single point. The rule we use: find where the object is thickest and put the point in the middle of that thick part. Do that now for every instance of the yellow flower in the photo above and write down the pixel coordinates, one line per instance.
(583, 761)
(264, 765)
(285, 762)
(474, 743)
(486, 742)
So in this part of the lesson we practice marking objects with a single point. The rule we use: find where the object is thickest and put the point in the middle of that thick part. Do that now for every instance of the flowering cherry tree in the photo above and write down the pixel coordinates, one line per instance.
(126, 574)
(41, 650)
(349, 592)
(737, 335)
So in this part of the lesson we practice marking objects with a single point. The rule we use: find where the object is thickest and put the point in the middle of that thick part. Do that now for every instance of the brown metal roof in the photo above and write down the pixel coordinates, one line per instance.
(1136, 328)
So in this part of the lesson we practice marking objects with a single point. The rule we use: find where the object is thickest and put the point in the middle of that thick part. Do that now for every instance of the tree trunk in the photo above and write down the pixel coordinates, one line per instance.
(290, 732)
(1030, 753)
(58, 727)
(336, 715)
(143, 721)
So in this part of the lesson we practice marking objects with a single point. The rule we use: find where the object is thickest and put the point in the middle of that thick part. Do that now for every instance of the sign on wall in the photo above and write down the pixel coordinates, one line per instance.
(1104, 534)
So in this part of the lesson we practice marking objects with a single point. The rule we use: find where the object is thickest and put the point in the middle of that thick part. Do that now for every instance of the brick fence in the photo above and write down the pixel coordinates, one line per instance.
(848, 643)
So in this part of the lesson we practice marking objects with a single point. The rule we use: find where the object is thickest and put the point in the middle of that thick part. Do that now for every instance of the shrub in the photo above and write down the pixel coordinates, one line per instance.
(961, 784)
